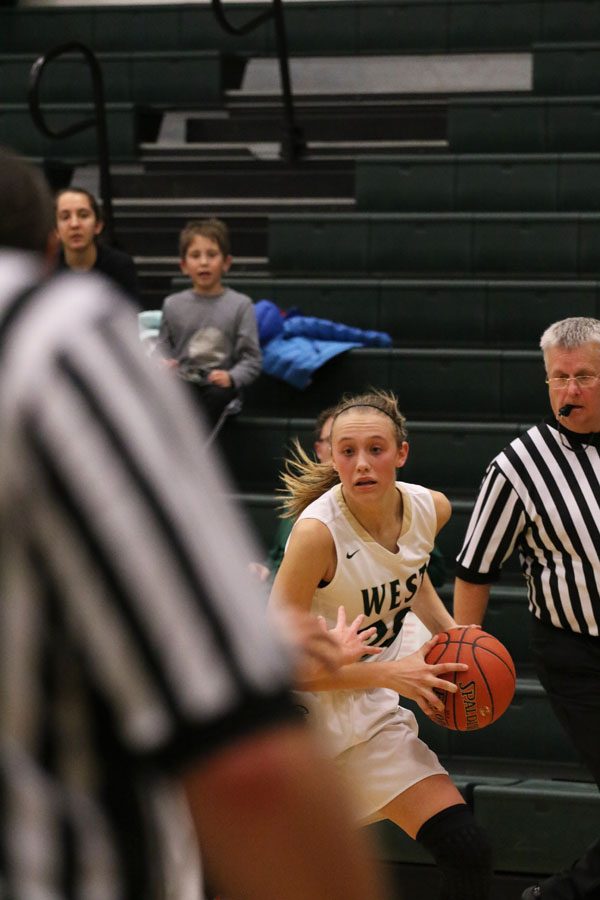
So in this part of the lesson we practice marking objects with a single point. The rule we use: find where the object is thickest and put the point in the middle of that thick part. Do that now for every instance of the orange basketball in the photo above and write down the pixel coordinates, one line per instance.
(485, 689)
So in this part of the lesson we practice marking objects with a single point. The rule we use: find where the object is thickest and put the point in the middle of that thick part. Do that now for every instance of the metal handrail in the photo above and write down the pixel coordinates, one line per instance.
(98, 120)
(293, 144)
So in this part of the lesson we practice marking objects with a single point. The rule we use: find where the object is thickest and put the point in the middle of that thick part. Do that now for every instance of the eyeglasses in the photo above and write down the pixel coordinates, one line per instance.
(562, 381)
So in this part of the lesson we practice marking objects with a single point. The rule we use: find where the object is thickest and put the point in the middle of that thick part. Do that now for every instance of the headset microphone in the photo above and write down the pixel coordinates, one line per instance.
(566, 410)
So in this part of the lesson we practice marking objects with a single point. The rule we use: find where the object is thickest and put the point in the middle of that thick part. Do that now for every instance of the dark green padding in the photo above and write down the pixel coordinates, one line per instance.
(352, 27)
(538, 825)
(410, 183)
(496, 25)
(161, 78)
(570, 20)
(479, 183)
(112, 28)
(520, 311)
(358, 27)
(260, 514)
(425, 312)
(475, 385)
(435, 244)
(508, 618)
(528, 730)
(536, 243)
(254, 448)
(453, 456)
(566, 68)
(524, 124)
(18, 131)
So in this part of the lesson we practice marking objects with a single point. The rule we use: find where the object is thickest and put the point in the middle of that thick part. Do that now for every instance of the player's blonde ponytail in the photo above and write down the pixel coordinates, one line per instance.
(304, 480)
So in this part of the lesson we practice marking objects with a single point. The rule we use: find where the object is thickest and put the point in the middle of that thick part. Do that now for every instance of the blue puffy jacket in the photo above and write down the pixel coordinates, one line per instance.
(295, 346)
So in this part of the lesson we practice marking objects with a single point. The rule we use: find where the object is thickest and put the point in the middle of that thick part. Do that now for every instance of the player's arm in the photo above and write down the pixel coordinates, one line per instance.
(310, 558)
(428, 607)
(443, 509)
(470, 602)
(272, 822)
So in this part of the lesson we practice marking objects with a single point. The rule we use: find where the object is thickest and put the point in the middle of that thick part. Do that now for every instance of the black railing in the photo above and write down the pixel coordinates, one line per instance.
(292, 144)
(98, 120)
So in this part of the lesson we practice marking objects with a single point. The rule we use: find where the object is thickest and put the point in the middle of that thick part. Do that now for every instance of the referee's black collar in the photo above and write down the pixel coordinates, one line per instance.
(589, 439)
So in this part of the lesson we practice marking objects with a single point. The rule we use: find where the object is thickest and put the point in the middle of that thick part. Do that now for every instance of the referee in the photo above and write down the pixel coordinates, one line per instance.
(541, 496)
(136, 663)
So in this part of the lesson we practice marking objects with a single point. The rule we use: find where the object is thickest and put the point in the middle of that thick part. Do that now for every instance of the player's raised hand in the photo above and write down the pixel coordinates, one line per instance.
(352, 641)
(318, 650)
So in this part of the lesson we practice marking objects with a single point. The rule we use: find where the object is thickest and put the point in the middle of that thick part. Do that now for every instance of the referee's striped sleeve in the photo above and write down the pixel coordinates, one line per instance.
(497, 520)
(128, 510)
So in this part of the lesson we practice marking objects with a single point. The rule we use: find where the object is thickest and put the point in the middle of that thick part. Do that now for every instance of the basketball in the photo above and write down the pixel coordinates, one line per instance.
(485, 689)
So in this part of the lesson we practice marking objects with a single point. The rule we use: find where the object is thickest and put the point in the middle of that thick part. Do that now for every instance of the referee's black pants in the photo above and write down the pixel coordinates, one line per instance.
(568, 666)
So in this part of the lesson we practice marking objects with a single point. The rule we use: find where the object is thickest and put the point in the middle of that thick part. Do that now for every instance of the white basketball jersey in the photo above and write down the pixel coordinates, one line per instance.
(374, 740)
(370, 579)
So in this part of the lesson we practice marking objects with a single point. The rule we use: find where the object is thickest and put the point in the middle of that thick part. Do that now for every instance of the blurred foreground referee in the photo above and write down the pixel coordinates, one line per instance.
(134, 654)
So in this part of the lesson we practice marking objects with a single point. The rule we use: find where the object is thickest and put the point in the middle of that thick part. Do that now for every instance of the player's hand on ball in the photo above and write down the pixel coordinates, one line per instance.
(484, 692)
(413, 677)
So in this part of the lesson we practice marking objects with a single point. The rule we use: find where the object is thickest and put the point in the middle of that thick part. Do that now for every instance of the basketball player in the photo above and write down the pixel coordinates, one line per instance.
(363, 540)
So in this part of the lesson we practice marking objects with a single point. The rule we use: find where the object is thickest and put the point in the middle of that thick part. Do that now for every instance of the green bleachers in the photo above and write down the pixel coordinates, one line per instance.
(507, 616)
(569, 21)
(521, 311)
(509, 244)
(156, 78)
(470, 384)
(537, 825)
(260, 512)
(525, 124)
(566, 68)
(478, 182)
(528, 730)
(126, 28)
(125, 126)
(425, 312)
(353, 28)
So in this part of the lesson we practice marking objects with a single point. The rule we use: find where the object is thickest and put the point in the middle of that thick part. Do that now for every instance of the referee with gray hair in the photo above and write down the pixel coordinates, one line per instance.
(136, 663)
(541, 495)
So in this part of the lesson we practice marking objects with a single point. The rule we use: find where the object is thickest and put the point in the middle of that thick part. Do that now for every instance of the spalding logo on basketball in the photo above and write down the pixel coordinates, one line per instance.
(485, 689)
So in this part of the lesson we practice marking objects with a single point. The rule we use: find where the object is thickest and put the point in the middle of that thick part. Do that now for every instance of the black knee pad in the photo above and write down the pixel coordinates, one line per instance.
(462, 851)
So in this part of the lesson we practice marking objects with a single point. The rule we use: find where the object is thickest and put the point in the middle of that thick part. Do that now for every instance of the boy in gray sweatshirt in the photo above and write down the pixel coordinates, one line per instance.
(208, 333)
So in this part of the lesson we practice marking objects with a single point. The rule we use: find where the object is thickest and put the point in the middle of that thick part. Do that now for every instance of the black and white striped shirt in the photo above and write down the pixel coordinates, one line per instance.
(541, 495)
(132, 641)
